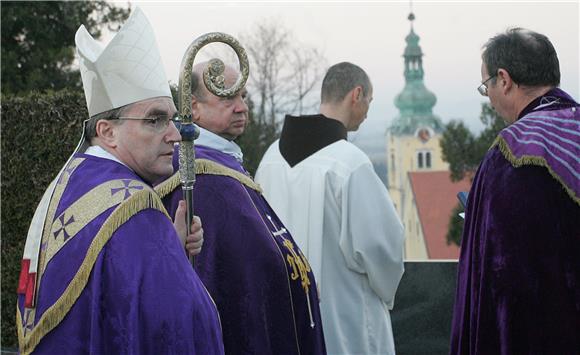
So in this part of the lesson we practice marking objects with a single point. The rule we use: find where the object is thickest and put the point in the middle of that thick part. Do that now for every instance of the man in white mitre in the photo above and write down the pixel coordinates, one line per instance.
(105, 270)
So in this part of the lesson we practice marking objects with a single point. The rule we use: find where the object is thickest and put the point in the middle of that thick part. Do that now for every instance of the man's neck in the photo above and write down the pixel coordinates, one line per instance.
(529, 94)
(215, 141)
(98, 150)
(335, 112)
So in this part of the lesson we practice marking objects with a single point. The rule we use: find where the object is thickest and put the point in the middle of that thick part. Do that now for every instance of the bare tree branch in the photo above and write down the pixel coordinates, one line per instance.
(283, 73)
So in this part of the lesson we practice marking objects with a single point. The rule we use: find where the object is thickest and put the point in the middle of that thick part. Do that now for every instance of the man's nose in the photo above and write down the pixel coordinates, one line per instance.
(241, 105)
(172, 134)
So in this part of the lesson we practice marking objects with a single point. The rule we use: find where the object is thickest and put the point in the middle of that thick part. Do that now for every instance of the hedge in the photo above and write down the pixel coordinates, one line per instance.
(39, 132)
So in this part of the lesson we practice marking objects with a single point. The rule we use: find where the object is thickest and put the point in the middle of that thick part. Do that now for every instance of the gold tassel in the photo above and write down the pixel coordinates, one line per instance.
(167, 186)
(139, 201)
(534, 161)
(206, 167)
(19, 327)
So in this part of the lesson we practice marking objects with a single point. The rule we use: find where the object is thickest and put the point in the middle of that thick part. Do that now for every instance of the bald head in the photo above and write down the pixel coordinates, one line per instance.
(226, 117)
(198, 89)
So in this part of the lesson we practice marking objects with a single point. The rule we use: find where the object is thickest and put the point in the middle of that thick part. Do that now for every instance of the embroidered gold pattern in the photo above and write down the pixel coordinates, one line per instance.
(85, 210)
(19, 327)
(55, 199)
(299, 265)
(28, 321)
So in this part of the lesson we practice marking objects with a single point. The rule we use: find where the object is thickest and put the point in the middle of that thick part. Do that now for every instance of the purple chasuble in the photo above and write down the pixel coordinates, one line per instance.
(260, 280)
(518, 288)
(113, 277)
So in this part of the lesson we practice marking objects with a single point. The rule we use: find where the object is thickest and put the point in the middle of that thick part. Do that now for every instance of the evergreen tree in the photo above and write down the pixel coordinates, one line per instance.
(464, 152)
(38, 41)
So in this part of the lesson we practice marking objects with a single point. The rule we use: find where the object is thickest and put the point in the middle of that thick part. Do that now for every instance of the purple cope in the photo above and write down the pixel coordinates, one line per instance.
(518, 288)
(260, 280)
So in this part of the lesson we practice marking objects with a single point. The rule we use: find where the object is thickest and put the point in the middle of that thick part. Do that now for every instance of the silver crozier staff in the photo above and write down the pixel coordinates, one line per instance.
(214, 81)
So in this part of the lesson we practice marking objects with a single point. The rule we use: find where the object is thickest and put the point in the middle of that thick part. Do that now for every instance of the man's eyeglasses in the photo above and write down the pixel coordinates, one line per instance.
(483, 87)
(159, 123)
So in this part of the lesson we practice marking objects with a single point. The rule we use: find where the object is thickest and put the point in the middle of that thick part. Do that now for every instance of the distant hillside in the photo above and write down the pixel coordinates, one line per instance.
(371, 140)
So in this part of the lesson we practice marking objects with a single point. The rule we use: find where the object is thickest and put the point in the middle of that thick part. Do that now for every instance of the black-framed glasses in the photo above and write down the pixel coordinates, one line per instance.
(483, 87)
(159, 123)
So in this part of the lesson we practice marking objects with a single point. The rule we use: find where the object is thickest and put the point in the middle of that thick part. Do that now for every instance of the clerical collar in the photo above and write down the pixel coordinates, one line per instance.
(212, 140)
(554, 99)
(99, 152)
(303, 136)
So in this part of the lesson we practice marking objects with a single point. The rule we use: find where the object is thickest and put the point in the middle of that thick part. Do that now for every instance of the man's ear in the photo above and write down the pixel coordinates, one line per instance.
(357, 94)
(195, 112)
(107, 133)
(504, 80)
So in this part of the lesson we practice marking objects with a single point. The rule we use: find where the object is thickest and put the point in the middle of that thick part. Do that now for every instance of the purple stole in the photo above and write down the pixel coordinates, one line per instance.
(260, 280)
(112, 275)
(550, 139)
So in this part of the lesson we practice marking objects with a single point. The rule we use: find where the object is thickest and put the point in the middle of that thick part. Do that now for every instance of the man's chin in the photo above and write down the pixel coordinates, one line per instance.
(166, 171)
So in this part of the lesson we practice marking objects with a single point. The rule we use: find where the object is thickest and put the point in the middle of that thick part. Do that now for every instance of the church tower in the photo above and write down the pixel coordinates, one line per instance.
(413, 137)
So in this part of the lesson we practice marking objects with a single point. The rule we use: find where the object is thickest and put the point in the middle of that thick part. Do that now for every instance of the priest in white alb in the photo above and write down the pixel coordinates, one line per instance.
(327, 193)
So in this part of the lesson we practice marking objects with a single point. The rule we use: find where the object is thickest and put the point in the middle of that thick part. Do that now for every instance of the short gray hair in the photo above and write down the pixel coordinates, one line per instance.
(91, 125)
(529, 57)
(340, 79)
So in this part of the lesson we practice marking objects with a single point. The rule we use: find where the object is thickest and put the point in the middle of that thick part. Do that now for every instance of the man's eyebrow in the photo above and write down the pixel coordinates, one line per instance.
(156, 111)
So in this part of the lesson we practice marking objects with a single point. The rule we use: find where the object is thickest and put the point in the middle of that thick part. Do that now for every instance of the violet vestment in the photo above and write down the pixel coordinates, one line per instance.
(113, 276)
(260, 280)
(518, 288)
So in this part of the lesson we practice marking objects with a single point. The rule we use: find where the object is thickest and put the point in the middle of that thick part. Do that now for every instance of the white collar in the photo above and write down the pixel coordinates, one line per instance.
(99, 152)
(212, 140)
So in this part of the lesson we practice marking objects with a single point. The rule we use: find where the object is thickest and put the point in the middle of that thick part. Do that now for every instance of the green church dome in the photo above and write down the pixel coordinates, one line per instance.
(415, 102)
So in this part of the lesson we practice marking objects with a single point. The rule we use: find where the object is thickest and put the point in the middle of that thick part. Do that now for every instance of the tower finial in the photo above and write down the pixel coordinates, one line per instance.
(411, 16)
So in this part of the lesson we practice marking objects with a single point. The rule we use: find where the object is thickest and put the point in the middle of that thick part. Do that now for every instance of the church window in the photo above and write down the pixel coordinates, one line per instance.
(420, 160)
(428, 159)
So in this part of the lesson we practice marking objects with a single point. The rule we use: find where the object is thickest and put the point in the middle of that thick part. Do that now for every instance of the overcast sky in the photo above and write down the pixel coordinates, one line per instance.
(372, 35)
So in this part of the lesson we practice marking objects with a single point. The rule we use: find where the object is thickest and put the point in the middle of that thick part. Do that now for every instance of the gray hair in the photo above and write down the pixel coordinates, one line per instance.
(91, 125)
(340, 79)
(529, 57)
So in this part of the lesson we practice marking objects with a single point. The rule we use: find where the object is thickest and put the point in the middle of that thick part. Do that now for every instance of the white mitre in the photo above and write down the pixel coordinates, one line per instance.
(127, 70)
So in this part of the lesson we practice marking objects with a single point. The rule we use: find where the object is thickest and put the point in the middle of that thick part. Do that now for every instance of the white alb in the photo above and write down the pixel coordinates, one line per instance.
(343, 219)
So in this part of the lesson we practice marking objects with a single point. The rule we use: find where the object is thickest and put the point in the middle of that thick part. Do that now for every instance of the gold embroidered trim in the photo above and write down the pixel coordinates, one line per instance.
(532, 160)
(28, 320)
(84, 210)
(167, 186)
(54, 202)
(19, 327)
(139, 201)
(206, 167)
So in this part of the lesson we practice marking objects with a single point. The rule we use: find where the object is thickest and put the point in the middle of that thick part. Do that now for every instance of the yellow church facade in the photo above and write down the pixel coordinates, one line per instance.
(409, 153)
(417, 177)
